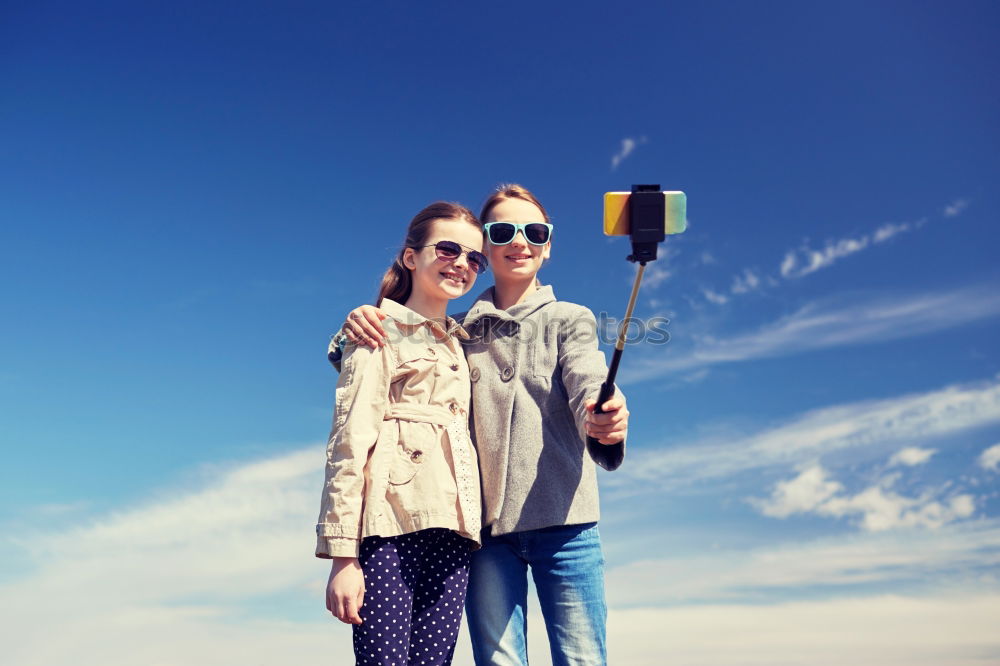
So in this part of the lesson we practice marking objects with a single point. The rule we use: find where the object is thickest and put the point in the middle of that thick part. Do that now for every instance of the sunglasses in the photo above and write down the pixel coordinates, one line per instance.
(502, 233)
(450, 251)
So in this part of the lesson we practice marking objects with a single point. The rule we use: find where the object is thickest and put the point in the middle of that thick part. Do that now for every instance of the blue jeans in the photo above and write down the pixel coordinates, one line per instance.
(567, 566)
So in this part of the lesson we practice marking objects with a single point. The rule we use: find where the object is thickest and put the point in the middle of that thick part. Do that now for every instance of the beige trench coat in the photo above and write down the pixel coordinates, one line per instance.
(399, 455)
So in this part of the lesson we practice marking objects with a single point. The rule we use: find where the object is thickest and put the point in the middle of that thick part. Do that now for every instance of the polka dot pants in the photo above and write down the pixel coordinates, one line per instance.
(414, 594)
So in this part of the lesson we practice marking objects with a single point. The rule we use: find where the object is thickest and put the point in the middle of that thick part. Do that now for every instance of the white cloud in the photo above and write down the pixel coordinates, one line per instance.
(877, 507)
(822, 326)
(180, 578)
(628, 146)
(711, 609)
(886, 630)
(990, 458)
(204, 575)
(713, 297)
(806, 260)
(803, 494)
(953, 555)
(956, 207)
(247, 529)
(911, 456)
(746, 282)
(192, 578)
(875, 426)
(696, 376)
(881, 509)
(888, 230)
(788, 264)
(654, 275)
(707, 258)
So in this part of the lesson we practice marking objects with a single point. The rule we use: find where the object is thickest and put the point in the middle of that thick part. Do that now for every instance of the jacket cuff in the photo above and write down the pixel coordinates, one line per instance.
(330, 547)
(608, 456)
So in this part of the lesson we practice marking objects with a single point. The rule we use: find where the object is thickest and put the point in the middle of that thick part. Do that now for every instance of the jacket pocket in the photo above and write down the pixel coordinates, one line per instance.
(543, 359)
(417, 352)
(411, 452)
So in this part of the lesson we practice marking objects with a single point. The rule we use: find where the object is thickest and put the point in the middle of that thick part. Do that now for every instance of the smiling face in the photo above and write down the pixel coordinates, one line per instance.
(435, 278)
(519, 260)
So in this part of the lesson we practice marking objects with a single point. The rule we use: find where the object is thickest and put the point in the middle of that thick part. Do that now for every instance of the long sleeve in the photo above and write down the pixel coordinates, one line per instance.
(584, 369)
(362, 397)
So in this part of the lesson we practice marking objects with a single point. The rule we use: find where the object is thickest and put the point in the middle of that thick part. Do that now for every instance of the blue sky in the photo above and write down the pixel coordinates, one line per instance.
(192, 197)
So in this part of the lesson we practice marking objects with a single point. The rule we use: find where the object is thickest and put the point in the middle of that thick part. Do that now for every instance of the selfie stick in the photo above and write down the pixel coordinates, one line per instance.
(646, 221)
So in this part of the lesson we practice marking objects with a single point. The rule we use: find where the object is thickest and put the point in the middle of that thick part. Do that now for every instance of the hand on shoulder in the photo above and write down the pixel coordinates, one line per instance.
(364, 326)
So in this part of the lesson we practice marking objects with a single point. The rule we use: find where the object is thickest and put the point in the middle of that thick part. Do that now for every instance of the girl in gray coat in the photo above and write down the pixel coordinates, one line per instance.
(535, 368)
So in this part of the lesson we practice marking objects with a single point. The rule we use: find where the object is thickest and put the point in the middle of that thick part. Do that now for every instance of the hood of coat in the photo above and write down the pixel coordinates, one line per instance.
(484, 307)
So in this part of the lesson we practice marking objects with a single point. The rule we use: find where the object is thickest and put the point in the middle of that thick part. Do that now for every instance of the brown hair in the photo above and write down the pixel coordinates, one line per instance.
(397, 283)
(511, 191)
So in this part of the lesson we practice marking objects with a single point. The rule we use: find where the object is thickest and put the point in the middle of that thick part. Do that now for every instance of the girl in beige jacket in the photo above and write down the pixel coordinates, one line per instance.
(401, 505)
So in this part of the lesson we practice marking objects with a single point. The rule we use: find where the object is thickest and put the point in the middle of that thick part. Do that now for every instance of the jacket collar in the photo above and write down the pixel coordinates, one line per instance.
(484, 307)
(404, 316)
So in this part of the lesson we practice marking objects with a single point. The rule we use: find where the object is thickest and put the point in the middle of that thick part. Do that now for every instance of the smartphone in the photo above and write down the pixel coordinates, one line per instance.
(616, 216)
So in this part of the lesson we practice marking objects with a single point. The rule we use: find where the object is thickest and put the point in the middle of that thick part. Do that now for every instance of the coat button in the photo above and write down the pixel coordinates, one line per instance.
(474, 374)
(416, 456)
(454, 366)
(507, 373)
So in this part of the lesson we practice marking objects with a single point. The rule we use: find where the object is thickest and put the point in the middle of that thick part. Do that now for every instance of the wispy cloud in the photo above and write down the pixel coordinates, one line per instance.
(823, 325)
(869, 426)
(656, 274)
(890, 229)
(884, 630)
(186, 577)
(713, 594)
(746, 282)
(955, 208)
(878, 507)
(871, 558)
(714, 297)
(806, 260)
(628, 145)
(223, 573)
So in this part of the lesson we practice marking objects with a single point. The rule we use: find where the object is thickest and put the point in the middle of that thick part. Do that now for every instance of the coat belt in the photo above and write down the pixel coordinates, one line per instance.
(419, 413)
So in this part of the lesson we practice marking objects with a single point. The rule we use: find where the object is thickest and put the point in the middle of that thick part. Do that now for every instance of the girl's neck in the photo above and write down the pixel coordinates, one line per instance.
(508, 294)
(431, 308)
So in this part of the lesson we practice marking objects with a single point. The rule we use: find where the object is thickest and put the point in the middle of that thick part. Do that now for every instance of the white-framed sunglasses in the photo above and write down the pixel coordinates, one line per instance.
(502, 233)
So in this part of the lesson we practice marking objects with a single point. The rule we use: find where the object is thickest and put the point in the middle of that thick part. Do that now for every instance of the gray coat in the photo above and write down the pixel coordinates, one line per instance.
(532, 367)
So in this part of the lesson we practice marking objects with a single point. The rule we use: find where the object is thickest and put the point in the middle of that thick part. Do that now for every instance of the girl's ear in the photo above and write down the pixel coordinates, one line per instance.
(408, 259)
(547, 250)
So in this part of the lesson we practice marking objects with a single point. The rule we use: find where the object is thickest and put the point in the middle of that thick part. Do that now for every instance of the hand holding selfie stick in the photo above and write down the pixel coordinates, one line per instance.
(646, 215)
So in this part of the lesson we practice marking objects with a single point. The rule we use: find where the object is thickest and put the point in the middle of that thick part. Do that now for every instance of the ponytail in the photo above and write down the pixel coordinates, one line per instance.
(397, 283)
